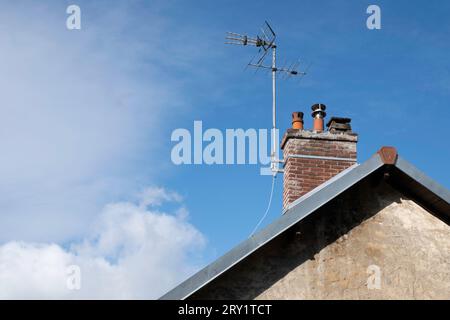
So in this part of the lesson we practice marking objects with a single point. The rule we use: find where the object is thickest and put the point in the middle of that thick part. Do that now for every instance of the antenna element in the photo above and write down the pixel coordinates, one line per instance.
(266, 42)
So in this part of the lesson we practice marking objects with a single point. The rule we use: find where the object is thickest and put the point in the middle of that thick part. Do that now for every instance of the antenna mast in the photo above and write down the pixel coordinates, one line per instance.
(266, 42)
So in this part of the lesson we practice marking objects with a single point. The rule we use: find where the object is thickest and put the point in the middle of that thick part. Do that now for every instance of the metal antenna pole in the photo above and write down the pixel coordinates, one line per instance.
(274, 113)
(265, 42)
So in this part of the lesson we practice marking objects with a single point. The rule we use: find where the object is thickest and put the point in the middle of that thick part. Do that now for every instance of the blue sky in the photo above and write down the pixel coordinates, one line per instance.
(393, 83)
(86, 116)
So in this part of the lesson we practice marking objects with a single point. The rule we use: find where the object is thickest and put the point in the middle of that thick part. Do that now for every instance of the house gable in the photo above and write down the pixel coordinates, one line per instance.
(401, 176)
(334, 253)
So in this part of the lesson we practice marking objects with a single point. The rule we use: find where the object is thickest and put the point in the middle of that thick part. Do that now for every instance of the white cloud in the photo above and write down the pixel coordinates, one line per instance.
(155, 196)
(79, 128)
(131, 252)
(79, 111)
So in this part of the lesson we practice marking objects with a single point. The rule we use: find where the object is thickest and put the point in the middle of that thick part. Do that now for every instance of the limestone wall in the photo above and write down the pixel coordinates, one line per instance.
(372, 242)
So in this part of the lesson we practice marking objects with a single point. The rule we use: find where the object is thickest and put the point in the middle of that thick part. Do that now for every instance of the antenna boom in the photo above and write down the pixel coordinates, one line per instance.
(266, 42)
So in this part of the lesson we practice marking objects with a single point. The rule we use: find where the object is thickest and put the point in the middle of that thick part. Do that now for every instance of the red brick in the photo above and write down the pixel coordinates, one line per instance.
(301, 175)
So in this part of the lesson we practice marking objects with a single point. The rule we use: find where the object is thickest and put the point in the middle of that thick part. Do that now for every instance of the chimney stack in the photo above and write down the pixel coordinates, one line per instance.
(311, 157)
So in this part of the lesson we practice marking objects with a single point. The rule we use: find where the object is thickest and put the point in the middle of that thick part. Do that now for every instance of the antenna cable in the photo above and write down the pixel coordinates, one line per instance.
(268, 207)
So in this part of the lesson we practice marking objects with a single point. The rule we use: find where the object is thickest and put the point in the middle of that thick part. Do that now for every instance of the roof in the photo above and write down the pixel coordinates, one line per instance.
(403, 175)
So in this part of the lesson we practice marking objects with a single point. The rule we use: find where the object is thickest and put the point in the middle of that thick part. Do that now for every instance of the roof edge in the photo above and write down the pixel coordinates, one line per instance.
(284, 222)
(386, 156)
(430, 184)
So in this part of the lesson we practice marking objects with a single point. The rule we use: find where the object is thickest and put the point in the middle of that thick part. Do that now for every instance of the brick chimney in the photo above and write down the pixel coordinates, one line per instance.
(312, 157)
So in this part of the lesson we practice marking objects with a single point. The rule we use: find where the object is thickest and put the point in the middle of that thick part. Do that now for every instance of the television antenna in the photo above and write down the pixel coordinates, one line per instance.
(265, 41)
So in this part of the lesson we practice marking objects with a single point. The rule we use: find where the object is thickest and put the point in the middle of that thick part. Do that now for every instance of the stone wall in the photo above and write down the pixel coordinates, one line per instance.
(369, 233)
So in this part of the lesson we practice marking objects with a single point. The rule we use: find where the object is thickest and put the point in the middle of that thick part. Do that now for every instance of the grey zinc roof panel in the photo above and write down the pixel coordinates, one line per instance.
(301, 209)
(429, 192)
(423, 179)
(309, 204)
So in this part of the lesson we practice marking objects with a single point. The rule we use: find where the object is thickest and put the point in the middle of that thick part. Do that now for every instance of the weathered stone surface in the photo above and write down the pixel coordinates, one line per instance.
(329, 254)
(325, 135)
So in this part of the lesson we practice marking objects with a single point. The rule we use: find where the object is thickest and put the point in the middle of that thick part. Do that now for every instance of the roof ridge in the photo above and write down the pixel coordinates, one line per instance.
(305, 205)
